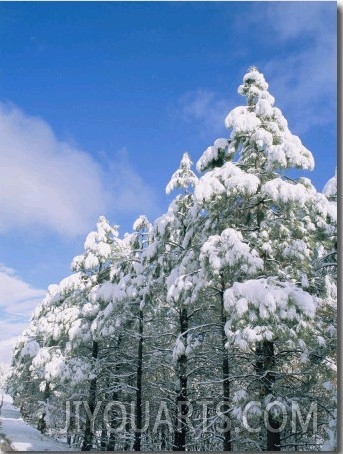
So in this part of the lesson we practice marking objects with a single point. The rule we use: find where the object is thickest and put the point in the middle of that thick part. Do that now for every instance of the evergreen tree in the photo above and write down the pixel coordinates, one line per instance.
(172, 243)
(229, 299)
(184, 179)
(285, 222)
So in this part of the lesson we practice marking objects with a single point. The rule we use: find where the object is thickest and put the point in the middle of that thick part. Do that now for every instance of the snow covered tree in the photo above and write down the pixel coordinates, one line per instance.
(102, 249)
(178, 281)
(142, 229)
(24, 390)
(67, 352)
(327, 262)
(123, 298)
(173, 253)
(42, 369)
(284, 221)
(228, 299)
(324, 351)
(225, 259)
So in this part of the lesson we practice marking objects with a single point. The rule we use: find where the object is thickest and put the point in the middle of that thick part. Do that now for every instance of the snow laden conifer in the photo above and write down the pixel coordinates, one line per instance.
(260, 133)
(223, 311)
(142, 228)
(41, 356)
(324, 347)
(285, 222)
(224, 259)
(121, 323)
(179, 288)
(103, 249)
(172, 256)
(62, 347)
(24, 390)
(183, 178)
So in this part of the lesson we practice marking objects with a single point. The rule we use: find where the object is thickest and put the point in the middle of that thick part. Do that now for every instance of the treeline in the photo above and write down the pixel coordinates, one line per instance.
(214, 328)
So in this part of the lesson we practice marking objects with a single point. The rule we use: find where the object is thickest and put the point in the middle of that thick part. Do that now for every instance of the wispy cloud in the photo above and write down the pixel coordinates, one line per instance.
(45, 182)
(205, 109)
(130, 193)
(300, 41)
(7, 344)
(306, 19)
(17, 298)
(17, 301)
(50, 184)
(305, 74)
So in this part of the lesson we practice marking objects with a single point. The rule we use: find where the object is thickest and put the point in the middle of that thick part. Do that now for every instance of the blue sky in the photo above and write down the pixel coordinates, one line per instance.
(98, 101)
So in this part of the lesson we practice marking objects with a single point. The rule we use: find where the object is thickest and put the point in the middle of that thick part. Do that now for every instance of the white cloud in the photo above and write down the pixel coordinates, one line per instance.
(17, 302)
(304, 77)
(295, 20)
(309, 93)
(16, 296)
(45, 182)
(7, 344)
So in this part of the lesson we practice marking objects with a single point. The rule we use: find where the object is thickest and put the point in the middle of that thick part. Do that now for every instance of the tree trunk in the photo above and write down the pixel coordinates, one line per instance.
(112, 438)
(103, 440)
(265, 364)
(115, 397)
(180, 430)
(225, 374)
(41, 426)
(139, 425)
(88, 435)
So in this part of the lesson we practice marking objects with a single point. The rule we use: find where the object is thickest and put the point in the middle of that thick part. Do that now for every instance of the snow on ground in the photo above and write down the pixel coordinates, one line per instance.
(19, 435)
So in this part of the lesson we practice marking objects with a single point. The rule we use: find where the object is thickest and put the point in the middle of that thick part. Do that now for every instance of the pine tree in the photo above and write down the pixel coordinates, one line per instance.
(142, 229)
(124, 302)
(284, 221)
(184, 178)
(102, 247)
(324, 350)
(171, 241)
(230, 298)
